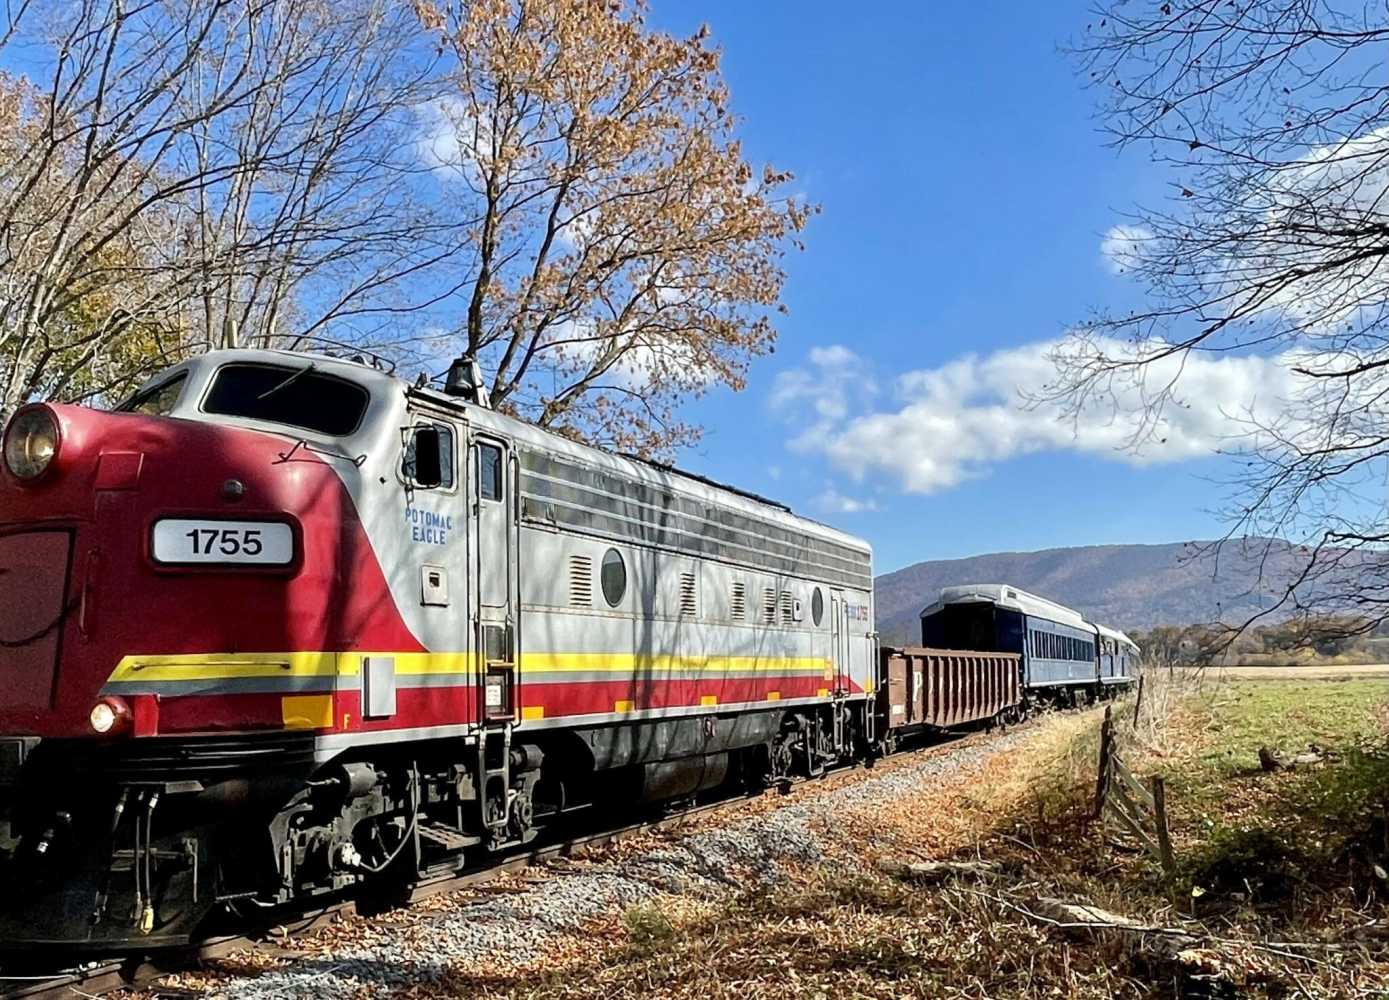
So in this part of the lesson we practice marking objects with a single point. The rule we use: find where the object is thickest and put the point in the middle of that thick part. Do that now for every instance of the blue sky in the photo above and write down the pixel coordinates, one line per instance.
(966, 194)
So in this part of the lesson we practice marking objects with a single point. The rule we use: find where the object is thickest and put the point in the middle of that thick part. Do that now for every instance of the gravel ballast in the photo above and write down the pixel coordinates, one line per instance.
(517, 928)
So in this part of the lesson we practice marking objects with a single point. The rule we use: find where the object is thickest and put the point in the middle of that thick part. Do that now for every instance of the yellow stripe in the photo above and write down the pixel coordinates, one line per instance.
(533, 712)
(229, 666)
(774, 696)
(414, 664)
(224, 666)
(629, 662)
(622, 706)
(708, 699)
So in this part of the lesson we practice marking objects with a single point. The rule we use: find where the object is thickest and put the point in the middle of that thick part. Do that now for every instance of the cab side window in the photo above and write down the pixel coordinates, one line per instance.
(489, 472)
(438, 439)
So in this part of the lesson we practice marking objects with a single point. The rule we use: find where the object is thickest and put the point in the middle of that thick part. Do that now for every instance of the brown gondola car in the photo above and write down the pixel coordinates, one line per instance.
(943, 688)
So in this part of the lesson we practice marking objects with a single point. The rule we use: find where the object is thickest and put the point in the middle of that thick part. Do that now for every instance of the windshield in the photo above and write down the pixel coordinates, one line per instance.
(298, 396)
(158, 401)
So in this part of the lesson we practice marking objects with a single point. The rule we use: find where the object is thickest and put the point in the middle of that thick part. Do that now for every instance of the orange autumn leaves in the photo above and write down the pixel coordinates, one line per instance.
(625, 255)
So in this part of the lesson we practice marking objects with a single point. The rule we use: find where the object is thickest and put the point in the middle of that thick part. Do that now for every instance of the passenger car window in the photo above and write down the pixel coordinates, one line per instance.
(159, 400)
(407, 461)
(489, 472)
(297, 396)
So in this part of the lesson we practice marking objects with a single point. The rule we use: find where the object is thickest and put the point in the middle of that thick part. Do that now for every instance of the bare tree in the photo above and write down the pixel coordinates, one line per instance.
(1272, 118)
(625, 255)
(183, 175)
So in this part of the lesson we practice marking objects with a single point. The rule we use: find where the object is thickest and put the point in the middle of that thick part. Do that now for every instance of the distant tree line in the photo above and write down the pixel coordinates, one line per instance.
(1309, 640)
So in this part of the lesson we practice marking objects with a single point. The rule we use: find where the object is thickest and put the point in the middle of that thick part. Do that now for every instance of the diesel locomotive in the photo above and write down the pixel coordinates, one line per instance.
(280, 623)
(283, 625)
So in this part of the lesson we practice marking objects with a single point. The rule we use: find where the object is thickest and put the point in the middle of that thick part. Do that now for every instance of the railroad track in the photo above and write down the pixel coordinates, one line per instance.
(100, 977)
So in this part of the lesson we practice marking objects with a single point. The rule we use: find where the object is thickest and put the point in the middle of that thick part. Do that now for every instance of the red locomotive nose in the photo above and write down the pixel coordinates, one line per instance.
(79, 492)
(203, 573)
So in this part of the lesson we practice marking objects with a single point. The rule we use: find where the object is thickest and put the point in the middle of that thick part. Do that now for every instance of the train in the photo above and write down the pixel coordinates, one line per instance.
(1063, 655)
(283, 626)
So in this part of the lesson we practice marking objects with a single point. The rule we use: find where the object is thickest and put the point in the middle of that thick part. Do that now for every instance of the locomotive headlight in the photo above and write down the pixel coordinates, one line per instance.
(31, 441)
(108, 716)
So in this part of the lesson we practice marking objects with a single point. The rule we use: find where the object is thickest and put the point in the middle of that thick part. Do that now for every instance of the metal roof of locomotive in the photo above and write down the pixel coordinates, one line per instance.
(383, 384)
(1013, 598)
(655, 474)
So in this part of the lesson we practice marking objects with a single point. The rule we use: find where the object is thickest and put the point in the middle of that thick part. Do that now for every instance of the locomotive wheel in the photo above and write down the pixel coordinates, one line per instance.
(782, 757)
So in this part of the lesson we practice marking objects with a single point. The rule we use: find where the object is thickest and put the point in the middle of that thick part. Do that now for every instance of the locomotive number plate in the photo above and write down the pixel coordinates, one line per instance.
(240, 543)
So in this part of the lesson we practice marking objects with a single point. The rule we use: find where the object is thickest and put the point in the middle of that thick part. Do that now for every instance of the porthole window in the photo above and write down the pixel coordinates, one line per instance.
(817, 606)
(614, 577)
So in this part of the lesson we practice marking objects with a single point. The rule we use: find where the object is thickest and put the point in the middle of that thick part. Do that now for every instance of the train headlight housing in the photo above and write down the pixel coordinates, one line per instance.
(31, 442)
(110, 715)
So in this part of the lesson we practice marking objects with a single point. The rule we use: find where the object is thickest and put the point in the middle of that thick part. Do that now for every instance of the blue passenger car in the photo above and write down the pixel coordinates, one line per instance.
(1061, 651)
(1118, 656)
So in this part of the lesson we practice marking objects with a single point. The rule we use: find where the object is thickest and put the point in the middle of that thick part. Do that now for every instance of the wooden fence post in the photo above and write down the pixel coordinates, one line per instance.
(1164, 838)
(1106, 750)
(1138, 702)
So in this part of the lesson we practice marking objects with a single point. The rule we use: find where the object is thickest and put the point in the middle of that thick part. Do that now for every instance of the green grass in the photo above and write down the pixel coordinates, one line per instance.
(1231, 724)
(647, 926)
(1281, 842)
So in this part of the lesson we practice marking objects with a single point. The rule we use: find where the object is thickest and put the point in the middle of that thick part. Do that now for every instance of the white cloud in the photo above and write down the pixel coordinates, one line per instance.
(1341, 186)
(436, 142)
(576, 231)
(1285, 224)
(836, 382)
(451, 141)
(954, 422)
(1122, 246)
(831, 501)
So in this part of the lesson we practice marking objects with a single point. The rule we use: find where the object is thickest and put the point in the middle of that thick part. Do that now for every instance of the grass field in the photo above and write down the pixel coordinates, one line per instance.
(1297, 673)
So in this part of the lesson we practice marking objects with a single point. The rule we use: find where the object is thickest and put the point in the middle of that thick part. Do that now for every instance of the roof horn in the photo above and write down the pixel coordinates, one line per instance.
(465, 380)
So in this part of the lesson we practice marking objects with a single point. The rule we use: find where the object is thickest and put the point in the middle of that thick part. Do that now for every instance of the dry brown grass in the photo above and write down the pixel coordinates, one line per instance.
(843, 928)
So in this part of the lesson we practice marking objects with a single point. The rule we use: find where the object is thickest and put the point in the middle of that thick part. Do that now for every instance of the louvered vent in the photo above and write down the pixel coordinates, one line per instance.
(739, 603)
(689, 608)
(768, 606)
(786, 608)
(581, 581)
